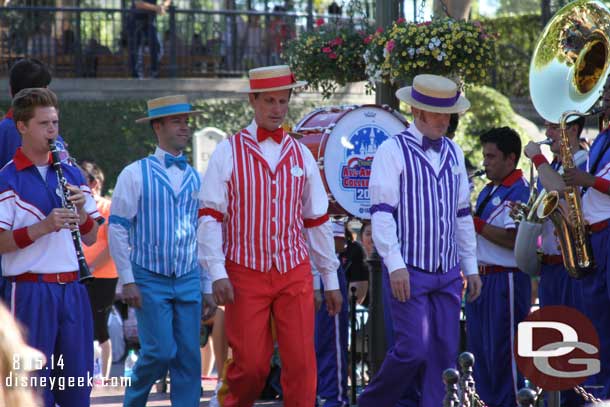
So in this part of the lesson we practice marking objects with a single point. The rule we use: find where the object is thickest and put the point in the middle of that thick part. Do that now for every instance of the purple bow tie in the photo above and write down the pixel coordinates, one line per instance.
(430, 143)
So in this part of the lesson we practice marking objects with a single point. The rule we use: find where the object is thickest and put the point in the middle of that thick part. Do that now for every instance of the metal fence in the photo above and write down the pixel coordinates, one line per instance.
(101, 42)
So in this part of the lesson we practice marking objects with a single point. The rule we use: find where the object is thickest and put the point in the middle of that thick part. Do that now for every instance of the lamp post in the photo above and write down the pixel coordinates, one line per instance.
(387, 12)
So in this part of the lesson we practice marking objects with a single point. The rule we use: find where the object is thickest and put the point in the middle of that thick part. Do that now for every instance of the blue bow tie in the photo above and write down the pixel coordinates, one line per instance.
(428, 143)
(179, 162)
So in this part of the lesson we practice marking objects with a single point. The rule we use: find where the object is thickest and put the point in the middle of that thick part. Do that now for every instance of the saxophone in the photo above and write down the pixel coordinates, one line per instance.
(568, 220)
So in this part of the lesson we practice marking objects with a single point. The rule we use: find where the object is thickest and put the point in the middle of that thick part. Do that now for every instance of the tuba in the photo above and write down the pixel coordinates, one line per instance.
(567, 74)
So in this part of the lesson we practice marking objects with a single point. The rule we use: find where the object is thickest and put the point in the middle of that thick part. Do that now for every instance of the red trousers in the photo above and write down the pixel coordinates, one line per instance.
(288, 298)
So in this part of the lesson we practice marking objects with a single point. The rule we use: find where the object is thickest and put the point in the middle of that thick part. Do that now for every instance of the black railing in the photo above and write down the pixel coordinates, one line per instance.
(98, 42)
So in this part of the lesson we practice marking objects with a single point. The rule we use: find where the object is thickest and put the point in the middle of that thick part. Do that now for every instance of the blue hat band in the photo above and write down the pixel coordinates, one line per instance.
(171, 109)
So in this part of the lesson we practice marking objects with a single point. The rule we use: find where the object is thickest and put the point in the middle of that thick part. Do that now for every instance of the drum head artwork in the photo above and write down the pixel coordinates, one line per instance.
(349, 153)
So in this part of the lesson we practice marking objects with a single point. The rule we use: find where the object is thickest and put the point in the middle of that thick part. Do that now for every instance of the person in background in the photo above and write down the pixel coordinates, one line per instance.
(102, 288)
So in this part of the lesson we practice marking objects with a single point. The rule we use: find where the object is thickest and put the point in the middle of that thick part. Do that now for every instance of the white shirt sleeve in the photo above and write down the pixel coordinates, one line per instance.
(320, 237)
(464, 233)
(123, 210)
(384, 189)
(214, 196)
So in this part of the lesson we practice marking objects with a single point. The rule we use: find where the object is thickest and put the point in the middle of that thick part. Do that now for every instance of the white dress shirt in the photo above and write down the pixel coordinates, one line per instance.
(214, 195)
(384, 187)
(127, 194)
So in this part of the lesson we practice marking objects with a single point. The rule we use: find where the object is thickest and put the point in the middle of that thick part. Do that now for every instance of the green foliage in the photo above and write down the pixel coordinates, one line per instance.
(329, 56)
(516, 40)
(106, 133)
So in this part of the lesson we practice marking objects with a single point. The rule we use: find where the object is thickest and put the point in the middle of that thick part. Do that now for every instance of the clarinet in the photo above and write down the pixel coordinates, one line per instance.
(84, 274)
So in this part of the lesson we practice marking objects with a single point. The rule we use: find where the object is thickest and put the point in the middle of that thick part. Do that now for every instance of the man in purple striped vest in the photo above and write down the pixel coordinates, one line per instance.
(423, 229)
(491, 320)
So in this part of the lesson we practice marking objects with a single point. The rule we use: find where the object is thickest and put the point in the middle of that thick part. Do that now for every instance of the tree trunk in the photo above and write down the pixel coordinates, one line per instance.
(458, 9)
(545, 8)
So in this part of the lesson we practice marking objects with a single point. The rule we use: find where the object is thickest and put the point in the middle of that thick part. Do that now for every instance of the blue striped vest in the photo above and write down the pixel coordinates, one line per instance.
(427, 211)
(164, 237)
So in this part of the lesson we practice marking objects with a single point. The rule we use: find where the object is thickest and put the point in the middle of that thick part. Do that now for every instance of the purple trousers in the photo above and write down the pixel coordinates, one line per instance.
(426, 337)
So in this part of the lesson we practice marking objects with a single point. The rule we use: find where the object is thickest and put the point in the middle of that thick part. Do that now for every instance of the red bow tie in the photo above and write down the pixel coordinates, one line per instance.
(263, 134)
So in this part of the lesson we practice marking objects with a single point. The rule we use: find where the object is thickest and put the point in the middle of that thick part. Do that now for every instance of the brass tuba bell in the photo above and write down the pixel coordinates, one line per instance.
(570, 63)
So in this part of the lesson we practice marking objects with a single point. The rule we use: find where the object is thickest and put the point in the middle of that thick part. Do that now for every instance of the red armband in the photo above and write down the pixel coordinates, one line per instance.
(87, 226)
(22, 238)
(538, 160)
(211, 212)
(312, 223)
(478, 224)
(602, 185)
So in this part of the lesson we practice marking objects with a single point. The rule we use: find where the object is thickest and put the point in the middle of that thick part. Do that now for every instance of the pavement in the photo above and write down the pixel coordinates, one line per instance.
(111, 395)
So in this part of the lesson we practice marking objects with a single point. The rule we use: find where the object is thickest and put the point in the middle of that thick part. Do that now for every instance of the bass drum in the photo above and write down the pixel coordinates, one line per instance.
(344, 140)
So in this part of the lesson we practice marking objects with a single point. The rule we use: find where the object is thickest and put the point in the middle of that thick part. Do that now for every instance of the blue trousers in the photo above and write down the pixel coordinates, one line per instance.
(57, 318)
(426, 335)
(168, 329)
(331, 350)
(491, 324)
(596, 302)
(556, 287)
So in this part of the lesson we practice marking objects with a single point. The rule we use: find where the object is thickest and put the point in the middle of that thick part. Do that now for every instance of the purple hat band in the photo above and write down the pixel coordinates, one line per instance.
(432, 101)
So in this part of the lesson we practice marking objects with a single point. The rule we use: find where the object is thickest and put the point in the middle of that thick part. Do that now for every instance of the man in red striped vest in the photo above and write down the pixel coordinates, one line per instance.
(265, 187)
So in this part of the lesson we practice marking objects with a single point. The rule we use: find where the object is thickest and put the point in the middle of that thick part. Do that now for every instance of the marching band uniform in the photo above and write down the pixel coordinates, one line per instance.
(331, 338)
(267, 190)
(421, 220)
(596, 285)
(42, 289)
(491, 320)
(153, 241)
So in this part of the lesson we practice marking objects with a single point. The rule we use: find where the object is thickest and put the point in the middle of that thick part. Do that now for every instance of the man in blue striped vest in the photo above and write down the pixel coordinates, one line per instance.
(491, 320)
(423, 229)
(153, 241)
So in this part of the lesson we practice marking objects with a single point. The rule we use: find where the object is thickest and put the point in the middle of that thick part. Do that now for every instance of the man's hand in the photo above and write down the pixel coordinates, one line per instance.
(474, 287)
(532, 149)
(77, 197)
(208, 307)
(317, 299)
(60, 218)
(131, 295)
(401, 286)
(576, 177)
(223, 291)
(334, 300)
(362, 288)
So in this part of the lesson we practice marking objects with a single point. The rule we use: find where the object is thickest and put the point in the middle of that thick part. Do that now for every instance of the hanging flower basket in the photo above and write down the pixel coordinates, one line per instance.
(329, 56)
(458, 49)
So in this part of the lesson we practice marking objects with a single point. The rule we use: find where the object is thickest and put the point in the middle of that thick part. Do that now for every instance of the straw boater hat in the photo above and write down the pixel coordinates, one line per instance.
(167, 106)
(434, 93)
(270, 78)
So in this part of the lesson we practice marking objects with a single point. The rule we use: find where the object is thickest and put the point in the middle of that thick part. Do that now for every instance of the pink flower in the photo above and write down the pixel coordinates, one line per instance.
(332, 55)
(390, 46)
(400, 20)
(319, 22)
(379, 30)
(368, 39)
(337, 41)
(426, 23)
(327, 50)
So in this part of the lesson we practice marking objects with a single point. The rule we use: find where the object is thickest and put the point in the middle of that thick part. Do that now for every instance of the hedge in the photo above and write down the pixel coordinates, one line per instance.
(105, 132)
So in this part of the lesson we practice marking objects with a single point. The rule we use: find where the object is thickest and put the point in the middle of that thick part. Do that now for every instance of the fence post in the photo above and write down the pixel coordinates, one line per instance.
(450, 378)
(173, 66)
(78, 48)
(377, 343)
(309, 15)
(526, 397)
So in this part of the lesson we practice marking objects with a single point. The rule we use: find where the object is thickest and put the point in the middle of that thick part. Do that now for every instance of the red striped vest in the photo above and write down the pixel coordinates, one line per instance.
(265, 222)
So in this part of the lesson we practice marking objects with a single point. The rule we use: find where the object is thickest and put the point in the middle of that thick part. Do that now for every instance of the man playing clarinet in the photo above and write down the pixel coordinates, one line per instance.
(39, 258)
